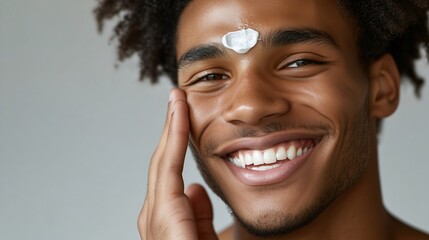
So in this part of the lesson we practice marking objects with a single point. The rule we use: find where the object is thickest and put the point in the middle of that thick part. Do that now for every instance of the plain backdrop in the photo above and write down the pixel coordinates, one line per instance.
(76, 133)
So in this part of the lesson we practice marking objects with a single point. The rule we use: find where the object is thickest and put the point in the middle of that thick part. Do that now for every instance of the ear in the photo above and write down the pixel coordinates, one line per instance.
(385, 80)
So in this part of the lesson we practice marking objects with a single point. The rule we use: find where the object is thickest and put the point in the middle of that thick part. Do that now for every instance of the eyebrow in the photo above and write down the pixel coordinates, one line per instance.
(274, 39)
(202, 52)
(300, 35)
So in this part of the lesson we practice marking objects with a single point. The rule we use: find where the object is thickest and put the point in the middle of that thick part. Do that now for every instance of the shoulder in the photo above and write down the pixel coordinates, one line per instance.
(405, 232)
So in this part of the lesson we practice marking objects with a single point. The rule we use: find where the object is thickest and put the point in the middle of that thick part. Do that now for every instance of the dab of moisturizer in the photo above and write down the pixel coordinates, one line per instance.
(240, 41)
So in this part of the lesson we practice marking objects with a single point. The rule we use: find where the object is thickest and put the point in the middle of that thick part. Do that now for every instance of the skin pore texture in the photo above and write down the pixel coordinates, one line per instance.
(301, 85)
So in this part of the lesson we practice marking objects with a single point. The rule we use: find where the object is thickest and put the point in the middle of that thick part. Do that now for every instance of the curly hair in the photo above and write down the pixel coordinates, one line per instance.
(148, 28)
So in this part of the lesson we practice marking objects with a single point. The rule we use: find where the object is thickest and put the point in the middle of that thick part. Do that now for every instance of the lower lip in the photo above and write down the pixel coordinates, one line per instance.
(269, 177)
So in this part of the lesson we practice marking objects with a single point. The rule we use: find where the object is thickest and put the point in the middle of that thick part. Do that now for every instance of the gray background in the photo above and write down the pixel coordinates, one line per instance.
(76, 134)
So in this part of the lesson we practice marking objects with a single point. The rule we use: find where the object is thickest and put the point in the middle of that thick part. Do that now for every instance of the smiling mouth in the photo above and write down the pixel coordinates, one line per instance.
(273, 157)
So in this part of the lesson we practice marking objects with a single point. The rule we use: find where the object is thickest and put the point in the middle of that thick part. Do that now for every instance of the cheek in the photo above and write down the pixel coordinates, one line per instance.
(339, 97)
(203, 111)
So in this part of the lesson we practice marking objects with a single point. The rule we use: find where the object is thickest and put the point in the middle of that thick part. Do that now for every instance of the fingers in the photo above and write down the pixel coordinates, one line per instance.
(160, 152)
(154, 162)
(170, 168)
(167, 212)
(165, 180)
(203, 211)
(163, 139)
(142, 220)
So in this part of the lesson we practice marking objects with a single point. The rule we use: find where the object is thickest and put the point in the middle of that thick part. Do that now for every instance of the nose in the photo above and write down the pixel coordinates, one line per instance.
(253, 100)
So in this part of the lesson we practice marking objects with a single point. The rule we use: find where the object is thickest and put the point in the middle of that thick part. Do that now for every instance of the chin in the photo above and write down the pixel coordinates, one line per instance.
(275, 219)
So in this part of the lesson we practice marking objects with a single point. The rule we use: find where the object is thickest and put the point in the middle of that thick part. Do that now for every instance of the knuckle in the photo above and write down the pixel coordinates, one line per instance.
(140, 224)
(141, 220)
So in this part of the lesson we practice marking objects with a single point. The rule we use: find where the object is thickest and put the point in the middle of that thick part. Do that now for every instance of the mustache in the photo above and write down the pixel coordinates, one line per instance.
(243, 132)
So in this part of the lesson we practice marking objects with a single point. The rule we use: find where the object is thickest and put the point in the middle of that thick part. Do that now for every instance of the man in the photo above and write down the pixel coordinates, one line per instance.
(281, 102)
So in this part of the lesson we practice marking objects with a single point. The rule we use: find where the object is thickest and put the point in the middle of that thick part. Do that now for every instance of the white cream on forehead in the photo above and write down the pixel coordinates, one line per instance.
(241, 41)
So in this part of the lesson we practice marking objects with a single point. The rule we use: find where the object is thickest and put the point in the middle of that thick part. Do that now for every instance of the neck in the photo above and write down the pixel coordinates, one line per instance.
(357, 214)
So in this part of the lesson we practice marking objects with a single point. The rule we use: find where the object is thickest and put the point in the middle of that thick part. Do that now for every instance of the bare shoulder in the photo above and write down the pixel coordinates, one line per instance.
(406, 232)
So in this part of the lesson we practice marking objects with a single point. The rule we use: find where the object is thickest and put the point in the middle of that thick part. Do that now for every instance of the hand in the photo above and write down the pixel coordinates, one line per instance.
(168, 212)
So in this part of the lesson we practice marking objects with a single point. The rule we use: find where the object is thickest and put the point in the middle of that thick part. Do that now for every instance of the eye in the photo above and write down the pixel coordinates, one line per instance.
(211, 77)
(204, 80)
(208, 81)
(302, 65)
(302, 62)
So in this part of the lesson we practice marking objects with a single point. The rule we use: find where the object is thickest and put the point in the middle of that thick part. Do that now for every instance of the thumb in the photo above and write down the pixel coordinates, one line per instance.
(203, 211)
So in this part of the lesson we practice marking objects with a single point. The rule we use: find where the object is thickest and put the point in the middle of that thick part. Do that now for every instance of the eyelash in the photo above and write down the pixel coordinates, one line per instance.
(215, 76)
(304, 62)
(206, 76)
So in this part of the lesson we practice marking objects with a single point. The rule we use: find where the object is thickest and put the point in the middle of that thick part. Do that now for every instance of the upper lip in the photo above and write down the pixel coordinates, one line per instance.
(266, 141)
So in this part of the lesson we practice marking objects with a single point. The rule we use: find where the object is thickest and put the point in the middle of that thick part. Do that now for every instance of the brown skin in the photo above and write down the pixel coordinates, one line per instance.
(264, 87)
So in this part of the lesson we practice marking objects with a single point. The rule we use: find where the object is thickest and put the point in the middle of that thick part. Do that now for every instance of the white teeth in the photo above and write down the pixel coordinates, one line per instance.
(249, 159)
(270, 156)
(257, 158)
(236, 161)
(254, 158)
(264, 167)
(281, 153)
(242, 161)
(291, 153)
(299, 152)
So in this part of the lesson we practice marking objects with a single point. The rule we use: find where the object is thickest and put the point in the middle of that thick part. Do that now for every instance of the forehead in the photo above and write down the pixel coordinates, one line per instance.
(205, 21)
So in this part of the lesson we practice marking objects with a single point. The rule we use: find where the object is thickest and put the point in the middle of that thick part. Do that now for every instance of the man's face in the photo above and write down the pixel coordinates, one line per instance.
(299, 94)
